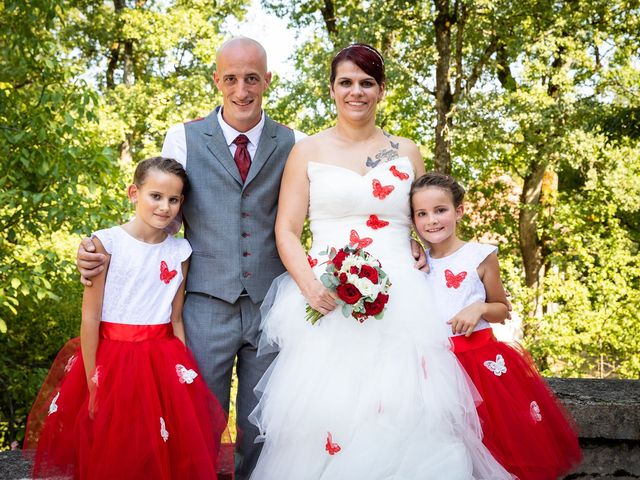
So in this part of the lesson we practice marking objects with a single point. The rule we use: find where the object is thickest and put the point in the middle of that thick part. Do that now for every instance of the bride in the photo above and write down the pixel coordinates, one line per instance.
(378, 399)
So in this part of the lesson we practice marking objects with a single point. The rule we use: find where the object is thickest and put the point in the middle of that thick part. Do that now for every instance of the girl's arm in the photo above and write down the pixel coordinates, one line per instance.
(292, 210)
(494, 309)
(90, 326)
(178, 302)
(497, 305)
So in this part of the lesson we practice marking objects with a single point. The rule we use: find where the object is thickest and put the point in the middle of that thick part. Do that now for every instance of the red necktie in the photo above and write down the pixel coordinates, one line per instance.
(242, 157)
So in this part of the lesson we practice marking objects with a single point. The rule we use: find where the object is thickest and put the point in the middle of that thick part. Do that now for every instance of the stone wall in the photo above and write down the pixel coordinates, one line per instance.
(608, 416)
(607, 413)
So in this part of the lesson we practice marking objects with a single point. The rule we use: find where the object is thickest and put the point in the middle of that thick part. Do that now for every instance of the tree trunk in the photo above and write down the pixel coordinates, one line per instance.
(124, 55)
(126, 156)
(329, 17)
(114, 54)
(128, 77)
(444, 97)
(530, 243)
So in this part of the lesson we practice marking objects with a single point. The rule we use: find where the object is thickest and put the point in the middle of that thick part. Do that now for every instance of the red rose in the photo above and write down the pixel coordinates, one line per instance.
(348, 293)
(375, 307)
(343, 277)
(353, 270)
(369, 272)
(339, 258)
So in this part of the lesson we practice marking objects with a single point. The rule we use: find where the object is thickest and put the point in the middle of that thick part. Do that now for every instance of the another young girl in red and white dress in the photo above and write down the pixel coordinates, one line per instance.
(126, 400)
(524, 426)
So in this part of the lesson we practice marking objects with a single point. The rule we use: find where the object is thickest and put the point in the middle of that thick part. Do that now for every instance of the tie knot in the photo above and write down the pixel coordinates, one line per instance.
(241, 140)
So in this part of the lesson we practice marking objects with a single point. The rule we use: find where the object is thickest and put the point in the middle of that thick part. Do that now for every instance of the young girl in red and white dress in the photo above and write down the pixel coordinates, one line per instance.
(126, 400)
(524, 426)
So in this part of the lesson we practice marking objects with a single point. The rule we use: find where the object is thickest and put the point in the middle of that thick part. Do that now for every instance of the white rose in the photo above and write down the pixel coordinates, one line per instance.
(365, 286)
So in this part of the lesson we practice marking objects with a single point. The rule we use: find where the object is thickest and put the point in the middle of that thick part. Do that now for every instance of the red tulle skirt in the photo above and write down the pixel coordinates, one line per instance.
(154, 416)
(524, 425)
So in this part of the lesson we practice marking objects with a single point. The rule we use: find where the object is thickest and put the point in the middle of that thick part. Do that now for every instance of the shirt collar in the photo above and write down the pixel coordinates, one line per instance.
(231, 133)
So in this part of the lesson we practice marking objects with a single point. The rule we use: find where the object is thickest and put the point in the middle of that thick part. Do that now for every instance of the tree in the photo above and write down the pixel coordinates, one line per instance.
(151, 62)
(55, 176)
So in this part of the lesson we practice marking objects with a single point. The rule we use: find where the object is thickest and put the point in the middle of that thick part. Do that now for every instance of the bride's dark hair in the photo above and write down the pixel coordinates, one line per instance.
(367, 58)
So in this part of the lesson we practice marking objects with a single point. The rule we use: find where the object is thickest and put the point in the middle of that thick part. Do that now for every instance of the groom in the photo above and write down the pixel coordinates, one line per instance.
(234, 158)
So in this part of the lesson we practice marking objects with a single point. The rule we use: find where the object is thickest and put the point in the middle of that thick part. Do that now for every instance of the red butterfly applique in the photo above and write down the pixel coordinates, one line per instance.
(331, 447)
(312, 261)
(454, 280)
(166, 275)
(359, 242)
(375, 223)
(380, 191)
(398, 173)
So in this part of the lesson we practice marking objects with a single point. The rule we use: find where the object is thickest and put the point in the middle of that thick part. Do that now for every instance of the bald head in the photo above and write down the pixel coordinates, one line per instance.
(242, 46)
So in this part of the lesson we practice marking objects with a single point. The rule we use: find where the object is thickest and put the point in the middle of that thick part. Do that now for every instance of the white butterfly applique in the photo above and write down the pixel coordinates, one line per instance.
(163, 430)
(53, 408)
(96, 376)
(70, 362)
(534, 409)
(498, 367)
(185, 375)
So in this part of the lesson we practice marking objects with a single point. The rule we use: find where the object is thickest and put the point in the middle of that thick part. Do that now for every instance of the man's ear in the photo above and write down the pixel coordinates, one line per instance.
(216, 79)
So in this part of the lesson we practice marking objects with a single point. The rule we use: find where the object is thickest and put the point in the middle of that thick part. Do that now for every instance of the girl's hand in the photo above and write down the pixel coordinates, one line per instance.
(319, 297)
(466, 319)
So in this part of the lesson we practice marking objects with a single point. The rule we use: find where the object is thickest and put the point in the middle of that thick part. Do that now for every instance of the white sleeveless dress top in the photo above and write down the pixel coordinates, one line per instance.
(142, 279)
(455, 282)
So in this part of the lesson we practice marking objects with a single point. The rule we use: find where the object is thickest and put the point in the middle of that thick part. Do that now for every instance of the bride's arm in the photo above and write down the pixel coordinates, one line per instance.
(410, 149)
(292, 211)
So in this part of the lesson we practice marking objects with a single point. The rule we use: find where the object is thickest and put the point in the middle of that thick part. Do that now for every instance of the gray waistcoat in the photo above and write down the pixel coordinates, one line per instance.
(230, 224)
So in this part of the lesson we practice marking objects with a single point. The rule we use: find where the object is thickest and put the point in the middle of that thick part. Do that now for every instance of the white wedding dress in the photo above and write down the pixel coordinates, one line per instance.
(379, 400)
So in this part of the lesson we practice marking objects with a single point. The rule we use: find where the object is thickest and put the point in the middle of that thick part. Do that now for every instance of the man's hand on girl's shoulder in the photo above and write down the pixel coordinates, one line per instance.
(89, 263)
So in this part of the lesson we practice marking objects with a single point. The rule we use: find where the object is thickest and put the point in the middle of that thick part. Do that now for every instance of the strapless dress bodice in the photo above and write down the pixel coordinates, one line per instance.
(372, 208)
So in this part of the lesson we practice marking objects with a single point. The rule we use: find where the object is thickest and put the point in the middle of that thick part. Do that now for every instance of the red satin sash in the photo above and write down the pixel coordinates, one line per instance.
(123, 332)
(477, 339)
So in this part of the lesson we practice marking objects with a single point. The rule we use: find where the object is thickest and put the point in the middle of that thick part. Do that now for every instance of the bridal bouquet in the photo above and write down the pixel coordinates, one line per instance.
(359, 282)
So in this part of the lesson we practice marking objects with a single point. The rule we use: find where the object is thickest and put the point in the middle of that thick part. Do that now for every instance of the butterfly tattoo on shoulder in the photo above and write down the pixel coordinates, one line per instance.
(386, 154)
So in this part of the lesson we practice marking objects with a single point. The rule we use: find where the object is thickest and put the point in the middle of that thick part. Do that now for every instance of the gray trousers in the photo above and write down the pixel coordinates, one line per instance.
(219, 334)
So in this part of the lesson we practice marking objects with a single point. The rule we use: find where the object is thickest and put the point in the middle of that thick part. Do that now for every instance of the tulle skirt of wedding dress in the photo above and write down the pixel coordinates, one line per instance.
(379, 400)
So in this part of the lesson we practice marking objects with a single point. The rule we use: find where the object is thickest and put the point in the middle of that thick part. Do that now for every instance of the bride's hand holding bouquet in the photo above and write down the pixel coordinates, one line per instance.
(359, 282)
